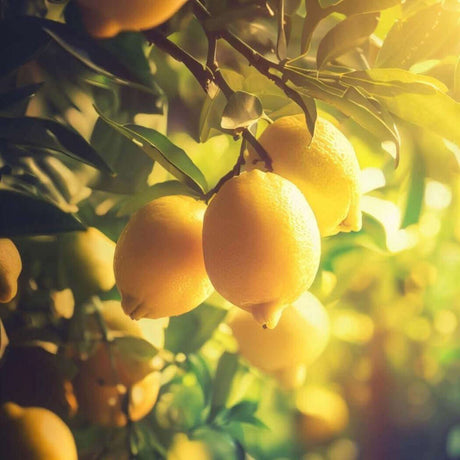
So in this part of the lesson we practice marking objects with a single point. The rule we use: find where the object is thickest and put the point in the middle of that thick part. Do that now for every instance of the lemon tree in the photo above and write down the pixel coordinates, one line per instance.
(229, 229)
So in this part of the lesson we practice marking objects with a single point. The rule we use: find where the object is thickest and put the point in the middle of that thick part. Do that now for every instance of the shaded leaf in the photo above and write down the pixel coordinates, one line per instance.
(281, 43)
(50, 136)
(161, 149)
(172, 187)
(23, 214)
(418, 37)
(187, 333)
(200, 368)
(135, 348)
(242, 110)
(345, 36)
(3, 339)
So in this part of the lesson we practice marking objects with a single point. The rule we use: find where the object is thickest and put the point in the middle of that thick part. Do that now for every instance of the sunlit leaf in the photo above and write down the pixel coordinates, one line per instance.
(350, 7)
(418, 37)
(135, 348)
(242, 110)
(161, 149)
(415, 193)
(346, 35)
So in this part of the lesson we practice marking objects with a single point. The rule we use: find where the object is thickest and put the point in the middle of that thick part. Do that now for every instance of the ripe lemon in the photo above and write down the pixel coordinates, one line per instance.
(87, 260)
(324, 168)
(10, 269)
(298, 340)
(34, 433)
(159, 266)
(261, 244)
(103, 404)
(323, 414)
(106, 18)
(108, 365)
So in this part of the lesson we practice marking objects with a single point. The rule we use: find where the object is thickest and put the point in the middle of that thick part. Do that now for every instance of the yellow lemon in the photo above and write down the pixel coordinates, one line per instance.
(298, 340)
(261, 244)
(87, 259)
(106, 18)
(323, 414)
(34, 433)
(10, 269)
(159, 266)
(324, 168)
(104, 404)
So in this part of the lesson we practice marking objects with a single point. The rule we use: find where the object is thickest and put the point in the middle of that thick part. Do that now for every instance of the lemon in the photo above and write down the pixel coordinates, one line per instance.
(261, 244)
(10, 269)
(87, 260)
(323, 414)
(298, 340)
(106, 18)
(182, 448)
(104, 404)
(324, 168)
(34, 433)
(159, 266)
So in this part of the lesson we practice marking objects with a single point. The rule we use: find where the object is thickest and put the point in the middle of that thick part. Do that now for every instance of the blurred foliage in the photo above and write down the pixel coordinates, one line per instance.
(90, 130)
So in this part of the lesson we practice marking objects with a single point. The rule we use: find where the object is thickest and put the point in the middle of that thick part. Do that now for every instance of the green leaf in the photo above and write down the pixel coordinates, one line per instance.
(135, 348)
(242, 110)
(226, 370)
(242, 412)
(18, 95)
(161, 149)
(415, 193)
(418, 37)
(188, 333)
(50, 136)
(437, 112)
(281, 43)
(22, 214)
(392, 82)
(345, 36)
(172, 187)
(200, 368)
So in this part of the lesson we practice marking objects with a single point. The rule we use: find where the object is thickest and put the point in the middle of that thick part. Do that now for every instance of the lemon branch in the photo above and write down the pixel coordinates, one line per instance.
(208, 77)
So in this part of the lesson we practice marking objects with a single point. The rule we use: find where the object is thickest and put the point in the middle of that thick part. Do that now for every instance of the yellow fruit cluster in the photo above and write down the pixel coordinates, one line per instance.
(257, 243)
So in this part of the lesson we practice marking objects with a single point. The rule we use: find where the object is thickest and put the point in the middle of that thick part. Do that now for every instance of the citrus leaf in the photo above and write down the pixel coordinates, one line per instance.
(226, 369)
(23, 214)
(242, 110)
(18, 95)
(418, 37)
(172, 187)
(51, 136)
(345, 36)
(415, 193)
(350, 7)
(200, 368)
(281, 43)
(135, 348)
(161, 149)
(391, 82)
(188, 333)
(437, 112)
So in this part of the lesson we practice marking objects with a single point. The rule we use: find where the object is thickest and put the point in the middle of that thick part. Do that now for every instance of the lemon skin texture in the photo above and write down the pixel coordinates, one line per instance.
(158, 264)
(324, 168)
(261, 244)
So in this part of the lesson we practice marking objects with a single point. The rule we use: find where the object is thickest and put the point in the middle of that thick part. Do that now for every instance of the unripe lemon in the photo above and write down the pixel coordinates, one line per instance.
(87, 259)
(159, 266)
(324, 168)
(10, 269)
(106, 18)
(261, 244)
(297, 341)
(104, 404)
(34, 433)
(323, 414)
